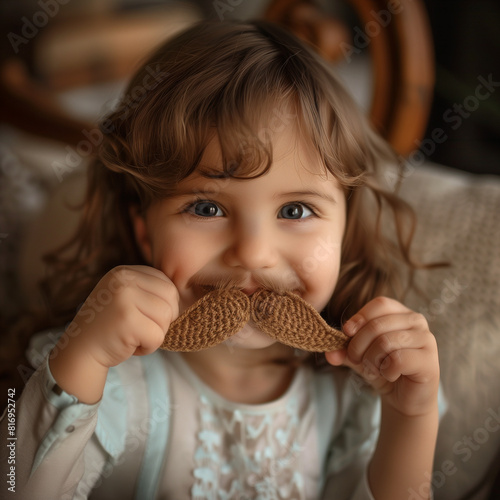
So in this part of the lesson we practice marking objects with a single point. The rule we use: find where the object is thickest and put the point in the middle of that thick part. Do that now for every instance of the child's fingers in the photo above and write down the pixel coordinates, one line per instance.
(152, 271)
(336, 358)
(165, 291)
(381, 347)
(377, 307)
(400, 362)
(389, 360)
(367, 371)
(128, 274)
(149, 325)
(144, 288)
(414, 364)
(146, 278)
(387, 333)
(149, 345)
(381, 374)
(157, 309)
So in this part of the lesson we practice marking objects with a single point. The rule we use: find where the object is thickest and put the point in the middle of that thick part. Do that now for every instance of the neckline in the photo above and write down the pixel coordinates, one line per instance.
(299, 378)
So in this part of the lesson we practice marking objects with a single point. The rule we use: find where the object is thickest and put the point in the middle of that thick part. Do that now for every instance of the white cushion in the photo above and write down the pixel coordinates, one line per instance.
(460, 223)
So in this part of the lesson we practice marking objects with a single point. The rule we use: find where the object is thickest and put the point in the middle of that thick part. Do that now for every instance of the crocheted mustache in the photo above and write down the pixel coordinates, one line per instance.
(283, 316)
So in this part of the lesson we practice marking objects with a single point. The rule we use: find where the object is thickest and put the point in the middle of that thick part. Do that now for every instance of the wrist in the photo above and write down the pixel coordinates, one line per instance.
(404, 453)
(77, 372)
(413, 400)
(418, 412)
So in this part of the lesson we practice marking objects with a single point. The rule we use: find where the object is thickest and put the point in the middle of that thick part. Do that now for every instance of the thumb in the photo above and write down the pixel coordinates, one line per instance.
(340, 358)
(365, 369)
(336, 358)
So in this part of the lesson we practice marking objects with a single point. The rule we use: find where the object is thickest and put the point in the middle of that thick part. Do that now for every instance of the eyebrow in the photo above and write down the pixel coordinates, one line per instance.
(309, 192)
(288, 194)
(191, 192)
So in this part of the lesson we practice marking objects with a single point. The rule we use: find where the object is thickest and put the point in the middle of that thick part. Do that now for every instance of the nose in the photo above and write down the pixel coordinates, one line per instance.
(252, 246)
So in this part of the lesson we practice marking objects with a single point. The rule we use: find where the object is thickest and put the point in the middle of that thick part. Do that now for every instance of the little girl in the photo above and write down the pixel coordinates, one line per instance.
(247, 166)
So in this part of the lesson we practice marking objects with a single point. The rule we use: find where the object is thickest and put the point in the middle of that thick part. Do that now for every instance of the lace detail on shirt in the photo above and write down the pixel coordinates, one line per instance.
(244, 454)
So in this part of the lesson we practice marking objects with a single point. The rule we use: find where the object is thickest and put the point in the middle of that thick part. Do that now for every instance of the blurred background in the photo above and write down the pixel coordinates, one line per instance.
(427, 72)
(66, 42)
(467, 45)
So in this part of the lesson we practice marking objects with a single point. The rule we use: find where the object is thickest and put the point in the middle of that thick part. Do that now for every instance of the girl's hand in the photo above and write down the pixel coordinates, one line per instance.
(128, 313)
(394, 351)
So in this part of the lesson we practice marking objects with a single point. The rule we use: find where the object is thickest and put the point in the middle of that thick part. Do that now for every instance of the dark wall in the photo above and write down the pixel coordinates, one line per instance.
(467, 96)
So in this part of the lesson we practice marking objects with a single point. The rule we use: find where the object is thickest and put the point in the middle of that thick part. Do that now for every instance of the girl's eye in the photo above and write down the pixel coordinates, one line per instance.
(295, 211)
(206, 209)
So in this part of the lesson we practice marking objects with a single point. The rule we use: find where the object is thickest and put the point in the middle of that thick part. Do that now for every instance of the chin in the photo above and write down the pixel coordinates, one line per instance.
(250, 337)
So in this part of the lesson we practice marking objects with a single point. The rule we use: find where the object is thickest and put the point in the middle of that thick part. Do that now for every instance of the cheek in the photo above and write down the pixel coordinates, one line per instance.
(175, 260)
(318, 268)
(181, 254)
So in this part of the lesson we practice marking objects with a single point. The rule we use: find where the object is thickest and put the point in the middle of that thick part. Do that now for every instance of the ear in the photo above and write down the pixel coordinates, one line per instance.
(141, 233)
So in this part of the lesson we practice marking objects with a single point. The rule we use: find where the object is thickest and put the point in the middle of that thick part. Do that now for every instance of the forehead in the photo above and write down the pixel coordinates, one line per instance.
(296, 166)
(288, 143)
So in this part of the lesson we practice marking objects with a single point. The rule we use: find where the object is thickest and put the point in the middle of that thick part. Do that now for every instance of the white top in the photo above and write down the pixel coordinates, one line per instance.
(221, 449)
(160, 432)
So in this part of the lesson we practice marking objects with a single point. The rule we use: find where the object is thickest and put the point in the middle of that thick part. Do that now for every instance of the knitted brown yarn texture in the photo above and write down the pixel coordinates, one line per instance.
(214, 318)
(283, 316)
(291, 320)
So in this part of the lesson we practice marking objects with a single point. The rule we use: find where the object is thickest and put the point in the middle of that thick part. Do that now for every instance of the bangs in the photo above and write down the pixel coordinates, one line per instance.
(242, 83)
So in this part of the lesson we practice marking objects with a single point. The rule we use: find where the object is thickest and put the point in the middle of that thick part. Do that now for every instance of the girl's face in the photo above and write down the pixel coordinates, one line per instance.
(284, 227)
